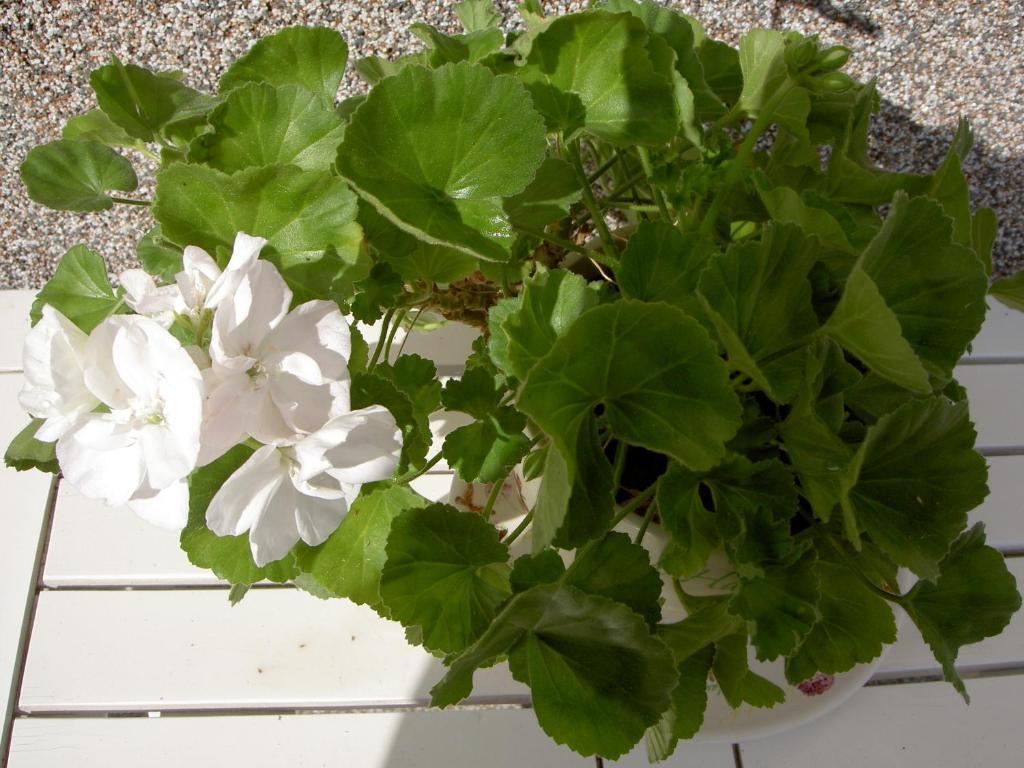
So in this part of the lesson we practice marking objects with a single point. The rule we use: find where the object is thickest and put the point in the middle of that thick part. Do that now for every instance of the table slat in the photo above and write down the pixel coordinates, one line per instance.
(456, 739)
(21, 519)
(905, 725)
(185, 649)
(14, 308)
(126, 550)
(1002, 334)
(996, 405)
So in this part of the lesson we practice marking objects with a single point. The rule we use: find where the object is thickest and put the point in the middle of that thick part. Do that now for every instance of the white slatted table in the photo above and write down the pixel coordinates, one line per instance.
(118, 653)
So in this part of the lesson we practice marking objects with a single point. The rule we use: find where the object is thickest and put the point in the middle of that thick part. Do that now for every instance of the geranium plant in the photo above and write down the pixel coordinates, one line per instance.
(699, 304)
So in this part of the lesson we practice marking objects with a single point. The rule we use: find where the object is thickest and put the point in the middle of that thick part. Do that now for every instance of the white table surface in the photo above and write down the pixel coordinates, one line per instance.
(116, 653)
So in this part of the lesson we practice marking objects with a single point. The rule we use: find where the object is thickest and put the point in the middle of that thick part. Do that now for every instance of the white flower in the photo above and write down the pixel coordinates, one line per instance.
(143, 295)
(280, 495)
(275, 375)
(53, 360)
(143, 448)
(202, 285)
(199, 286)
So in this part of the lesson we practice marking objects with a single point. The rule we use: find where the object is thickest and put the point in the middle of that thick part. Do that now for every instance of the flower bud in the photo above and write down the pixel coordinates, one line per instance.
(802, 54)
(835, 82)
(833, 58)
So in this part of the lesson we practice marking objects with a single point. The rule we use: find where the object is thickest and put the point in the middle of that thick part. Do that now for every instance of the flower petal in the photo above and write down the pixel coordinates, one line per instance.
(167, 508)
(245, 317)
(318, 518)
(241, 501)
(243, 256)
(144, 296)
(53, 360)
(358, 447)
(225, 411)
(275, 532)
(102, 458)
(316, 329)
(194, 281)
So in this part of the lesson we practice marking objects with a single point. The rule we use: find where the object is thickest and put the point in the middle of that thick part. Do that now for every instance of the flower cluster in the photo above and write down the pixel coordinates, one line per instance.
(133, 411)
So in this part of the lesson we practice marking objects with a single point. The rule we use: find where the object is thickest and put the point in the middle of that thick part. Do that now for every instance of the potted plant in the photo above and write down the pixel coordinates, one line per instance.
(705, 317)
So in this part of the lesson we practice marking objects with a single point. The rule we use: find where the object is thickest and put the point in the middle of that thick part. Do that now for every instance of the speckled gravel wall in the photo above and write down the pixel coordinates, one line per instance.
(935, 61)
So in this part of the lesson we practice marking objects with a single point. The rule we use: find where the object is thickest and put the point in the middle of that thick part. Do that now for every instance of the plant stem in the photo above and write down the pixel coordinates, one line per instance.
(743, 157)
(126, 201)
(408, 477)
(603, 168)
(648, 516)
(633, 504)
(412, 325)
(645, 162)
(555, 240)
(607, 245)
(619, 464)
(492, 497)
(523, 525)
(380, 345)
(149, 153)
(391, 334)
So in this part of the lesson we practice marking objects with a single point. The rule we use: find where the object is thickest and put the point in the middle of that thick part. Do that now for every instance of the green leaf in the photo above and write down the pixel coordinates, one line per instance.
(445, 572)
(678, 31)
(781, 606)
(477, 393)
(545, 567)
(547, 198)
(764, 68)
(410, 257)
(378, 388)
(616, 568)
(759, 299)
(307, 217)
(258, 124)
(914, 478)
(416, 378)
(148, 105)
(25, 452)
(229, 557)
(79, 290)
(984, 227)
(94, 125)
(476, 138)
(739, 685)
(935, 287)
(312, 57)
(660, 263)
(690, 523)
(1010, 291)
(75, 175)
(785, 205)
(349, 563)
(973, 598)
(486, 451)
(655, 371)
(855, 623)
(477, 15)
(158, 256)
(575, 500)
(547, 307)
(377, 292)
(867, 327)
(708, 623)
(597, 677)
(596, 71)
(685, 715)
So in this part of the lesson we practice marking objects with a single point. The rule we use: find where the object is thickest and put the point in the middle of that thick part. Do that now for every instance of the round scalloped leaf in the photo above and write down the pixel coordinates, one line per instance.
(76, 175)
(598, 71)
(307, 217)
(435, 151)
(446, 573)
(655, 371)
(313, 57)
(259, 124)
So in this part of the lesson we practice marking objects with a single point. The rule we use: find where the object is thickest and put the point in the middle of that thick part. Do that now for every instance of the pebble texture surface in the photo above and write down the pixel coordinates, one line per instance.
(935, 60)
